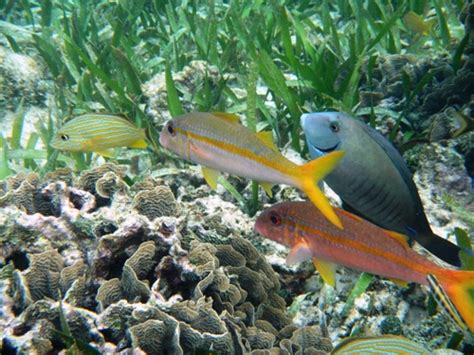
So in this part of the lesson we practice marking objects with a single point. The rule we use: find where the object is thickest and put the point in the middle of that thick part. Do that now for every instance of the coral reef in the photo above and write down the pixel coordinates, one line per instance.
(122, 278)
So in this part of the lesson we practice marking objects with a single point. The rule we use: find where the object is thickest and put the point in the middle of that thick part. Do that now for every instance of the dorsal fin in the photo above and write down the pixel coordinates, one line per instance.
(401, 238)
(229, 117)
(267, 138)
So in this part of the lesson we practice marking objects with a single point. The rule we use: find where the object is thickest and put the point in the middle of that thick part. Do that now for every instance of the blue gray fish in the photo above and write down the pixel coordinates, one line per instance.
(372, 179)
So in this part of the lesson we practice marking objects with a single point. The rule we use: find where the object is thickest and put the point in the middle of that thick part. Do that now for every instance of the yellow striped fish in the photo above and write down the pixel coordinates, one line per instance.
(385, 344)
(98, 133)
(219, 143)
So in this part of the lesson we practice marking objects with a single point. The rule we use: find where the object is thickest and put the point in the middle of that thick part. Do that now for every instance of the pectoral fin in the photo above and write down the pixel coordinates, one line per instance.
(327, 270)
(299, 253)
(210, 176)
(267, 187)
(139, 144)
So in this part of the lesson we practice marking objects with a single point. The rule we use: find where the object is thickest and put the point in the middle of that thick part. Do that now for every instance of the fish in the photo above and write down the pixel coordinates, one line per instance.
(372, 179)
(363, 246)
(99, 133)
(383, 344)
(416, 23)
(219, 143)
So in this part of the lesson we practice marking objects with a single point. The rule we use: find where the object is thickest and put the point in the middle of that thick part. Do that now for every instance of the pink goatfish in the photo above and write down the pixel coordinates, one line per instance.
(366, 247)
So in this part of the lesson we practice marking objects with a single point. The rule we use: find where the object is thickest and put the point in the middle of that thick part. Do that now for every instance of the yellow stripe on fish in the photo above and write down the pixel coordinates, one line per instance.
(217, 141)
(98, 133)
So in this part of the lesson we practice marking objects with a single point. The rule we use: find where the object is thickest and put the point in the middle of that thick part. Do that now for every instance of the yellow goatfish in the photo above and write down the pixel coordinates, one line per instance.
(98, 133)
(218, 142)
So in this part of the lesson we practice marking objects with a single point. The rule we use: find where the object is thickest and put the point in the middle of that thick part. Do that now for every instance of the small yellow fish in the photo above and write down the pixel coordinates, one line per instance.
(98, 133)
(416, 23)
(219, 143)
(385, 344)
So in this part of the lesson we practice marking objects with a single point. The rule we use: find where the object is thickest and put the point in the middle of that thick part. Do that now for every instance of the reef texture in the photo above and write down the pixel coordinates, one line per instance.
(127, 277)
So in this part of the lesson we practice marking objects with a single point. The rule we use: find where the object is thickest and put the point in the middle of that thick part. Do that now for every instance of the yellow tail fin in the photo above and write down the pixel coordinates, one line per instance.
(311, 174)
(454, 289)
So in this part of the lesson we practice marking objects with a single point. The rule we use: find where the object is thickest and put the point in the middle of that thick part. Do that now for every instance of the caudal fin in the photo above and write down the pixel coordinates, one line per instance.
(311, 174)
(454, 290)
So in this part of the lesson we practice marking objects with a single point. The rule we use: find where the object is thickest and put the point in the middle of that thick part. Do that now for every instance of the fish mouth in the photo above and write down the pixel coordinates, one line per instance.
(325, 151)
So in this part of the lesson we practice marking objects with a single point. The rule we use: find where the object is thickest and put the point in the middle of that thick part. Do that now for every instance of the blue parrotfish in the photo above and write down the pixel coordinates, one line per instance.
(372, 179)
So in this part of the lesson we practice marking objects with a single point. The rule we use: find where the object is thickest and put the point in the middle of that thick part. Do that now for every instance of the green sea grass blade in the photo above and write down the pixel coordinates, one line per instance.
(457, 57)
(49, 53)
(17, 128)
(443, 25)
(130, 72)
(30, 145)
(174, 104)
(35, 154)
(4, 167)
(455, 341)
(359, 288)
(233, 191)
(464, 242)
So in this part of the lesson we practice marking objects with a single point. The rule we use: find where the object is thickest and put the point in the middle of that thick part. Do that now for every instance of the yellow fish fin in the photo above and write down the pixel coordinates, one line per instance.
(229, 117)
(210, 176)
(399, 282)
(327, 270)
(267, 187)
(401, 238)
(307, 179)
(109, 153)
(267, 138)
(299, 252)
(139, 144)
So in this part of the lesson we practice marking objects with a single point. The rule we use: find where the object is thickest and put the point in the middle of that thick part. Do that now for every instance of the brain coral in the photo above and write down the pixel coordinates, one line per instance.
(123, 279)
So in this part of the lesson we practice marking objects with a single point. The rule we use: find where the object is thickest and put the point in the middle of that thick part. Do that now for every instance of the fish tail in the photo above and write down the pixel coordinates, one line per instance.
(442, 248)
(311, 174)
(454, 290)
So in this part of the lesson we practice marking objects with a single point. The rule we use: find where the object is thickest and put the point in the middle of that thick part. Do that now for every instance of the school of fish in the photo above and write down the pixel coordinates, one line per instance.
(355, 160)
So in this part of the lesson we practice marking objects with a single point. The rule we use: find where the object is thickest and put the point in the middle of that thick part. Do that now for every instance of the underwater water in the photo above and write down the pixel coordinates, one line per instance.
(236, 177)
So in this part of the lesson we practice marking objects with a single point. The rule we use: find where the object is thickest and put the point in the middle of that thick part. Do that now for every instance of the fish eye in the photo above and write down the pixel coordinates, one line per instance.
(64, 137)
(334, 126)
(170, 128)
(275, 219)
